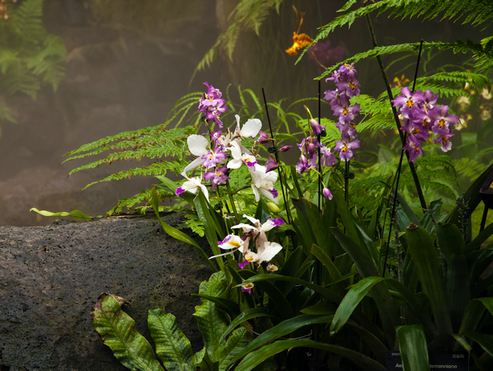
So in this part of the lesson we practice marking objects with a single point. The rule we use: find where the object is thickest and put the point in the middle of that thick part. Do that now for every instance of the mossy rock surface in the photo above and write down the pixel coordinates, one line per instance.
(51, 277)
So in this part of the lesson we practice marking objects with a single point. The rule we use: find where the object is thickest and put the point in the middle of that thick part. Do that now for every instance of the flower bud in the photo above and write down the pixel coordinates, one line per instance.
(273, 208)
(327, 194)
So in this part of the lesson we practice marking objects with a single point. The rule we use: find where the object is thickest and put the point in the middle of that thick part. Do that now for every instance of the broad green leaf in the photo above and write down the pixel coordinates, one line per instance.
(342, 208)
(284, 328)
(255, 358)
(457, 288)
(351, 301)
(415, 306)
(485, 340)
(480, 238)
(371, 339)
(316, 223)
(428, 268)
(117, 329)
(481, 259)
(176, 233)
(277, 298)
(172, 346)
(413, 348)
(76, 214)
(212, 227)
(325, 259)
(473, 313)
(358, 254)
(326, 293)
(224, 304)
(290, 268)
(320, 308)
(238, 340)
(243, 317)
(381, 295)
(211, 321)
(450, 240)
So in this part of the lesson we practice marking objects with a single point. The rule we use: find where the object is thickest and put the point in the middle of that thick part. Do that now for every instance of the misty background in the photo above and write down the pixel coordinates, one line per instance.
(129, 61)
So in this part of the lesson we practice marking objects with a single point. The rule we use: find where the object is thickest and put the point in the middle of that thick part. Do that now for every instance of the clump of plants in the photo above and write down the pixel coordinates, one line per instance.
(323, 264)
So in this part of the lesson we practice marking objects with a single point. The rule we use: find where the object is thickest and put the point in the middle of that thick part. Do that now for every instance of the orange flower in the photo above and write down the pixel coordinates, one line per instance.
(299, 41)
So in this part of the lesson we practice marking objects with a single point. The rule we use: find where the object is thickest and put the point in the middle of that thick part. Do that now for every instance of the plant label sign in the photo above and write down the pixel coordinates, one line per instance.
(457, 361)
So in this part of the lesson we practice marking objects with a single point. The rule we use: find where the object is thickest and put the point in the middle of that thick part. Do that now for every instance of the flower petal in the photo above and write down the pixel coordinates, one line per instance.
(197, 145)
(251, 128)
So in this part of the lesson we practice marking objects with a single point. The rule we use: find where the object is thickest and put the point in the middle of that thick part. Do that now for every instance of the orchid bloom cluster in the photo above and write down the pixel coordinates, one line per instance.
(422, 118)
(309, 148)
(212, 105)
(348, 86)
(264, 250)
(213, 153)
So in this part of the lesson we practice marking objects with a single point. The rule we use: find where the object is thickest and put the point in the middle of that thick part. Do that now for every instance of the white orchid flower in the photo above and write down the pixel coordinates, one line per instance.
(197, 146)
(193, 185)
(263, 182)
(231, 241)
(265, 250)
(240, 155)
(250, 129)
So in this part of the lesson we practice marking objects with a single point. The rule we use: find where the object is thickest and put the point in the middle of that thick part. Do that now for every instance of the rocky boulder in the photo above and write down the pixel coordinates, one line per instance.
(51, 277)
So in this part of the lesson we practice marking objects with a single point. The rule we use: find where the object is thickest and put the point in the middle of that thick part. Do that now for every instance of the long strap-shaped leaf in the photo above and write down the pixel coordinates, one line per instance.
(284, 328)
(176, 233)
(172, 346)
(381, 295)
(414, 351)
(117, 329)
(428, 268)
(255, 358)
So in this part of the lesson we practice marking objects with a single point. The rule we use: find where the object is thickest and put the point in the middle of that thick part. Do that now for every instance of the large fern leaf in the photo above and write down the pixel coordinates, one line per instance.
(172, 346)
(117, 329)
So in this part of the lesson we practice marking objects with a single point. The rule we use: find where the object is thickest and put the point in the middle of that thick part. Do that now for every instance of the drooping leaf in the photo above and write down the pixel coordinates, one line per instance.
(413, 347)
(260, 355)
(117, 329)
(76, 214)
(172, 346)
(176, 233)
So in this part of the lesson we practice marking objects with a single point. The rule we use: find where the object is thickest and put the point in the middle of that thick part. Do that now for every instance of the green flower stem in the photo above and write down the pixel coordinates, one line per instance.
(233, 206)
(394, 111)
(286, 205)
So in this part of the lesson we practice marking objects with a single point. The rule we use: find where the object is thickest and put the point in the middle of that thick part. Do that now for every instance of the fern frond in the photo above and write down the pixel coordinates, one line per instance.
(26, 19)
(481, 55)
(248, 16)
(158, 168)
(193, 222)
(137, 138)
(469, 167)
(475, 12)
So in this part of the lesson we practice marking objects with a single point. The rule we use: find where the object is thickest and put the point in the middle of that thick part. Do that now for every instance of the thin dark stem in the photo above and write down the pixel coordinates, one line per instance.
(392, 213)
(398, 175)
(346, 181)
(319, 137)
(277, 158)
(394, 111)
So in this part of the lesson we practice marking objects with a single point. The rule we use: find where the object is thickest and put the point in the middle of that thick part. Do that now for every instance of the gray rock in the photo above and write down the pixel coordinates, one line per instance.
(51, 277)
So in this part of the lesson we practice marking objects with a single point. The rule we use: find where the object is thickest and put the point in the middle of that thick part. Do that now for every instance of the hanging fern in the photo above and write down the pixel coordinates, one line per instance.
(248, 16)
(30, 57)
(476, 12)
